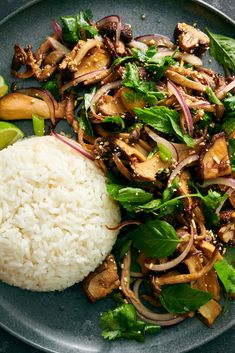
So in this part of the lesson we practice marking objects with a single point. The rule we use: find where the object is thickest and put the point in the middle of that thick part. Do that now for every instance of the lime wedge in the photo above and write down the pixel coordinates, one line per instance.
(9, 134)
(3, 87)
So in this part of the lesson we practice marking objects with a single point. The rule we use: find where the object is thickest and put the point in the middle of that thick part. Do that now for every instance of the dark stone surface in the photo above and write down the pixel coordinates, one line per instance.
(222, 344)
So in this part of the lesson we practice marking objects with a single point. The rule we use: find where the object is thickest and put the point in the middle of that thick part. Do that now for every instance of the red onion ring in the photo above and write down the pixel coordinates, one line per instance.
(164, 142)
(176, 92)
(160, 319)
(57, 29)
(230, 182)
(73, 144)
(56, 45)
(138, 45)
(46, 96)
(124, 224)
(158, 39)
(187, 161)
(104, 89)
(189, 58)
(88, 76)
(177, 260)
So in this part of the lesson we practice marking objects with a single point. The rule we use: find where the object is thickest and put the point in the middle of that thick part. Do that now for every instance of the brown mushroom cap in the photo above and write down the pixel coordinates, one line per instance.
(191, 39)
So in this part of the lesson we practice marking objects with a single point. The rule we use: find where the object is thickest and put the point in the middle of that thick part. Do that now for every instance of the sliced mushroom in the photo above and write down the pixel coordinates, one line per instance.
(191, 39)
(131, 99)
(109, 28)
(208, 249)
(17, 106)
(214, 158)
(131, 151)
(19, 59)
(96, 59)
(74, 58)
(227, 216)
(194, 264)
(227, 233)
(149, 169)
(102, 281)
(209, 312)
(183, 188)
(183, 81)
(110, 105)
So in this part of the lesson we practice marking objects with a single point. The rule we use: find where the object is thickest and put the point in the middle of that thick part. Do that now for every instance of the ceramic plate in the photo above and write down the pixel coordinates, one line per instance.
(64, 322)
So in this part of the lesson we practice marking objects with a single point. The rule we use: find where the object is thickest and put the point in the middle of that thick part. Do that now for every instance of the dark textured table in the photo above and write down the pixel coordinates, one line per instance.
(223, 343)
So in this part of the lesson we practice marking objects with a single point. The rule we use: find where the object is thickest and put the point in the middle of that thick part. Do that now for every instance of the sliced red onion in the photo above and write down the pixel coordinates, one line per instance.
(138, 45)
(160, 319)
(187, 161)
(104, 89)
(46, 96)
(79, 79)
(57, 29)
(158, 39)
(230, 182)
(176, 92)
(174, 262)
(56, 45)
(221, 94)
(189, 58)
(73, 144)
(124, 224)
(164, 142)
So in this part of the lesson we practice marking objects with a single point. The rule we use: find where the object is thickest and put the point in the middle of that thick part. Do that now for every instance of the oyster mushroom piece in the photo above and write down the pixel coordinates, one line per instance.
(110, 105)
(209, 312)
(102, 281)
(132, 152)
(148, 170)
(214, 159)
(191, 39)
(227, 233)
(109, 28)
(96, 59)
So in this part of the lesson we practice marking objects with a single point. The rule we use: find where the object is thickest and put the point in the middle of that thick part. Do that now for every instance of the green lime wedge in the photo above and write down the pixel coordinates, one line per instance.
(9, 134)
(3, 87)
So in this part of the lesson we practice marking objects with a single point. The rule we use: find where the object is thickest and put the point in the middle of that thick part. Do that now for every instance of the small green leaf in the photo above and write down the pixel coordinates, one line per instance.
(226, 274)
(222, 49)
(231, 149)
(52, 87)
(181, 298)
(155, 238)
(117, 120)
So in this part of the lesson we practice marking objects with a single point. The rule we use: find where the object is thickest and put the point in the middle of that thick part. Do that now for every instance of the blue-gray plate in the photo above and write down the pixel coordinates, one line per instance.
(65, 322)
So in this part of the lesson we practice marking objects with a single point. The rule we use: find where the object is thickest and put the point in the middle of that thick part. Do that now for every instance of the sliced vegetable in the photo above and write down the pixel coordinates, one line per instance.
(38, 125)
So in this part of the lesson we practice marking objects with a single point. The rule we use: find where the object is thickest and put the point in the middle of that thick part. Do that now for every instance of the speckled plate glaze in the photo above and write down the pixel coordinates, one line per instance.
(64, 322)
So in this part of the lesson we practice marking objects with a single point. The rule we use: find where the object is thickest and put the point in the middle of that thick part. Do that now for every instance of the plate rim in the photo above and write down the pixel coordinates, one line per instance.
(38, 346)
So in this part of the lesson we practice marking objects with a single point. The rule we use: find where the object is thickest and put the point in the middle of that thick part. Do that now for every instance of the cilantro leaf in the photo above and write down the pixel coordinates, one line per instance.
(155, 238)
(181, 298)
(123, 322)
(231, 149)
(226, 274)
(165, 120)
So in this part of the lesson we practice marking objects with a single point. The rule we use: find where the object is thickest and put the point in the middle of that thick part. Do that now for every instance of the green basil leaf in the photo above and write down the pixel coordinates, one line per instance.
(229, 125)
(230, 256)
(155, 238)
(52, 87)
(128, 195)
(69, 29)
(181, 298)
(226, 274)
(222, 49)
(231, 149)
(117, 120)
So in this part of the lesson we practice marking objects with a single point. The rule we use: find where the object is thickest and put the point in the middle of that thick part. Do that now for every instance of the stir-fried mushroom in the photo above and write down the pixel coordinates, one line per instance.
(149, 169)
(183, 188)
(131, 99)
(227, 216)
(131, 151)
(183, 81)
(109, 28)
(102, 281)
(227, 233)
(191, 39)
(16, 106)
(214, 158)
(111, 105)
(19, 59)
(209, 312)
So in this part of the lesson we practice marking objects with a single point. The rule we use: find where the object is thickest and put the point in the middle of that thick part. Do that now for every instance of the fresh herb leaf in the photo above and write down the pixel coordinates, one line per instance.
(229, 103)
(121, 247)
(84, 120)
(123, 322)
(78, 27)
(230, 256)
(222, 49)
(128, 195)
(226, 274)
(155, 238)
(52, 87)
(229, 125)
(181, 298)
(117, 120)
(164, 120)
(231, 149)
(212, 96)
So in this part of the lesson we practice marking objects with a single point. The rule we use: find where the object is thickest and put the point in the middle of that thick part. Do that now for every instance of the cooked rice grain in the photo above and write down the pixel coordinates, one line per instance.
(54, 209)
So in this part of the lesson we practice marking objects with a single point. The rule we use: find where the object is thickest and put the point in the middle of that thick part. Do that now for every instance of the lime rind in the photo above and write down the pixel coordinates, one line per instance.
(9, 134)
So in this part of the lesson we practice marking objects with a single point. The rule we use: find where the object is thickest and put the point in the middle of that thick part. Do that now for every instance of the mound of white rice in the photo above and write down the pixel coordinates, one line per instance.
(54, 209)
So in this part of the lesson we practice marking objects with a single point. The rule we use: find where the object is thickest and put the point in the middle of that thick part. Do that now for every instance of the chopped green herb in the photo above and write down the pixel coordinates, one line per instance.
(226, 274)
(52, 87)
(38, 125)
(212, 96)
